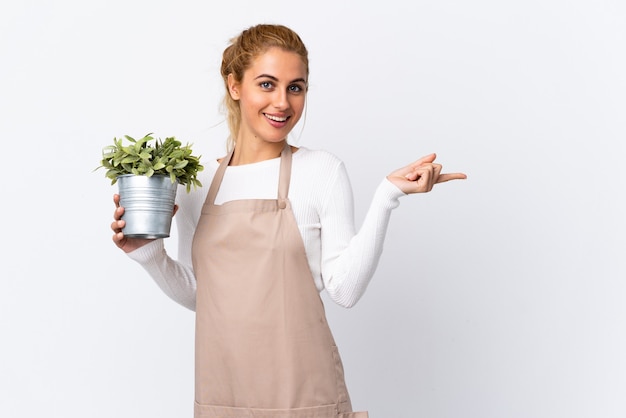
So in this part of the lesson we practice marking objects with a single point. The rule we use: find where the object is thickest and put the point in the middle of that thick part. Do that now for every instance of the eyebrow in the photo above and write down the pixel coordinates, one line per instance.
(271, 77)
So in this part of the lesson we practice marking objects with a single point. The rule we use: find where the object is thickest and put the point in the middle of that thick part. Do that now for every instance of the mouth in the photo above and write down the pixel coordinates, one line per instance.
(279, 119)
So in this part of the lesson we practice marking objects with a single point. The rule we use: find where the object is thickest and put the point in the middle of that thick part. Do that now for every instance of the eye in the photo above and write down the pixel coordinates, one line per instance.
(295, 88)
(266, 85)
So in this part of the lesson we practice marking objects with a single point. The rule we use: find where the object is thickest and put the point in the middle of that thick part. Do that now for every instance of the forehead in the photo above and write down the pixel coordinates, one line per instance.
(278, 63)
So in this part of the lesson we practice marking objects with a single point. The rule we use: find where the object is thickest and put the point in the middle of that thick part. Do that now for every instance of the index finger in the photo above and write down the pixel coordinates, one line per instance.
(451, 176)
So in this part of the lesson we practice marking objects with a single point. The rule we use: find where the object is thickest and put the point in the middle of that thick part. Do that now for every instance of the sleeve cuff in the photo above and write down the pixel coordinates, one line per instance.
(149, 252)
(388, 194)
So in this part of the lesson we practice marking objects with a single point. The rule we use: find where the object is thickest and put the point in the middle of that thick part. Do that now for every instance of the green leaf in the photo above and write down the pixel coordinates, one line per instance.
(130, 159)
(181, 164)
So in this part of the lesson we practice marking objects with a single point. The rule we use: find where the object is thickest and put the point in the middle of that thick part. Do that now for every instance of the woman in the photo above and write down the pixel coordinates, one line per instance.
(274, 229)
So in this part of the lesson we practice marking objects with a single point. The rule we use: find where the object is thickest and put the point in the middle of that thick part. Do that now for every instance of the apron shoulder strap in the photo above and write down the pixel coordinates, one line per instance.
(285, 176)
(217, 179)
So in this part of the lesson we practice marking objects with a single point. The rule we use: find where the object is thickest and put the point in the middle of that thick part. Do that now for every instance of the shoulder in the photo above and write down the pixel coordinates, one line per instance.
(318, 160)
(306, 153)
(315, 173)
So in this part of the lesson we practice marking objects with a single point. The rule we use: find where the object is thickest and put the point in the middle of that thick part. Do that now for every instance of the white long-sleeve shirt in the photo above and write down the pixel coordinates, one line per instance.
(342, 261)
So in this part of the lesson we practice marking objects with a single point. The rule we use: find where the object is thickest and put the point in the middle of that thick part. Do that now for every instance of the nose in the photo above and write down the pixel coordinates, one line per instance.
(281, 100)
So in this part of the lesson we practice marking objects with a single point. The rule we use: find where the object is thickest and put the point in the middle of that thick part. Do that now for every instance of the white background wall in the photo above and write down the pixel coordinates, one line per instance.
(500, 296)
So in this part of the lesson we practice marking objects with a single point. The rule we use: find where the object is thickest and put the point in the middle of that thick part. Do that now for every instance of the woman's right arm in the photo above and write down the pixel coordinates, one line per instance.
(174, 277)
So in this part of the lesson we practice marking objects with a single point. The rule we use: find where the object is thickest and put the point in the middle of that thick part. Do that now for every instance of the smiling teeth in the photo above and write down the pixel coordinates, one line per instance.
(276, 118)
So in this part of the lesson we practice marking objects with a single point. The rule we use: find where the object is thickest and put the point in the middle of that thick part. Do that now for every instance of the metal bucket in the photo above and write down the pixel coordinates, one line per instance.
(148, 204)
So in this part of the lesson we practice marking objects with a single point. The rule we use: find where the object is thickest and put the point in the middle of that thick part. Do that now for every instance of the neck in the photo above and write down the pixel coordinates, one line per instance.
(247, 153)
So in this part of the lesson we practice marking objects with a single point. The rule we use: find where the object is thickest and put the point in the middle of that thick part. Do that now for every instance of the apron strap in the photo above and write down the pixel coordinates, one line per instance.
(285, 176)
(283, 181)
(217, 179)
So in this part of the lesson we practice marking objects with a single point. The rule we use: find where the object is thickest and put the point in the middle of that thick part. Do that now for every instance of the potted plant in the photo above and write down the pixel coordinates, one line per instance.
(148, 171)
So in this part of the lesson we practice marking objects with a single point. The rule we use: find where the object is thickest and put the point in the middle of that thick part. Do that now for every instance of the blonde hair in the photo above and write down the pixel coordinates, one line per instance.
(238, 57)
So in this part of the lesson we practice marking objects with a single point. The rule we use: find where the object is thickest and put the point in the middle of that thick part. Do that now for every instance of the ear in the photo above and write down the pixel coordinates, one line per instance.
(233, 87)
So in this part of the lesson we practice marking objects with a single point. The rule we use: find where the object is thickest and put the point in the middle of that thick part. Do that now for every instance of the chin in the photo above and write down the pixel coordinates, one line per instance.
(276, 140)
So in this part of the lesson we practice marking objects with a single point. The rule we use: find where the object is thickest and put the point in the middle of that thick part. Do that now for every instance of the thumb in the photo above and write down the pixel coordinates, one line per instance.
(426, 159)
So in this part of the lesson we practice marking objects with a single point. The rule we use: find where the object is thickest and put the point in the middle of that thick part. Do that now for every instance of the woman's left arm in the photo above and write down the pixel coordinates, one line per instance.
(349, 258)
